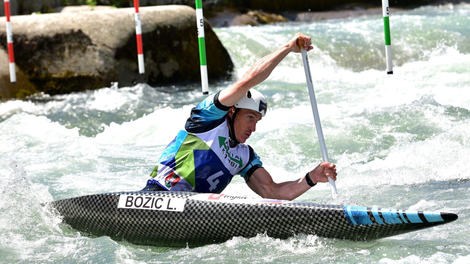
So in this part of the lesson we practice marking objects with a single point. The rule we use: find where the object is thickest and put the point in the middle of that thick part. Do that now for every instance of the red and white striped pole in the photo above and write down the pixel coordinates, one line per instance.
(11, 55)
(138, 33)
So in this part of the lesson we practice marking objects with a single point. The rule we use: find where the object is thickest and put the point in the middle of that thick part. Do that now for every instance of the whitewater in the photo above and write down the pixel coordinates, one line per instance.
(399, 141)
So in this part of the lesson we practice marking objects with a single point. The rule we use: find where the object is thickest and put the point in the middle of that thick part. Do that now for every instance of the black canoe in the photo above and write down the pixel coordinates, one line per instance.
(183, 218)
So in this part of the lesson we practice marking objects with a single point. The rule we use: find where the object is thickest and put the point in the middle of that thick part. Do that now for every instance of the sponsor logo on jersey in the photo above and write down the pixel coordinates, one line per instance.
(234, 160)
(172, 179)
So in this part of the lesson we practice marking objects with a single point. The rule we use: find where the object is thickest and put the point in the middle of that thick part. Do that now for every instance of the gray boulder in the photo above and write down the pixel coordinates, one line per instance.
(68, 52)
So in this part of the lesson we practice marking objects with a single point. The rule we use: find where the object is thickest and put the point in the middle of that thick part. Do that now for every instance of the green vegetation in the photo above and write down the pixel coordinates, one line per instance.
(91, 3)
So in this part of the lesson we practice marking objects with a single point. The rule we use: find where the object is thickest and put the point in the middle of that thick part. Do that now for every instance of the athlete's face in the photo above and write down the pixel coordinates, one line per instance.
(244, 123)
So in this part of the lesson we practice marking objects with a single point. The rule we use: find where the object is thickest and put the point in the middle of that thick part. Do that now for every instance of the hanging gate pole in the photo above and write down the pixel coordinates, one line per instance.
(138, 32)
(11, 54)
(388, 42)
(202, 47)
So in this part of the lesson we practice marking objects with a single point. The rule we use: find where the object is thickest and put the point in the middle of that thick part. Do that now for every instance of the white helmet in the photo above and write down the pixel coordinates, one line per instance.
(253, 100)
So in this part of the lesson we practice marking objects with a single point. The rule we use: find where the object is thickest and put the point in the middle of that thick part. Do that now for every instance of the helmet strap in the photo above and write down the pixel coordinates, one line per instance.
(233, 142)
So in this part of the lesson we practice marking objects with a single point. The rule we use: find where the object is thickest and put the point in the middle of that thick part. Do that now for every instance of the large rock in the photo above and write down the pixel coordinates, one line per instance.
(20, 89)
(62, 53)
(256, 18)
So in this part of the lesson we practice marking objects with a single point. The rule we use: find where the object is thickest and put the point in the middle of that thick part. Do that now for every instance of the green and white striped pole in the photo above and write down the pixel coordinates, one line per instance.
(388, 43)
(202, 47)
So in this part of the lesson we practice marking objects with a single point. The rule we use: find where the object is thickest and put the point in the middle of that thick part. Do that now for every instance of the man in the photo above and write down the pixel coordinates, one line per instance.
(211, 150)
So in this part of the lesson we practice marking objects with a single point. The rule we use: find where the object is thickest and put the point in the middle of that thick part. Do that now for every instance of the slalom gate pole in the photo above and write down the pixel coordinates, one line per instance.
(138, 33)
(388, 43)
(11, 54)
(202, 47)
(316, 115)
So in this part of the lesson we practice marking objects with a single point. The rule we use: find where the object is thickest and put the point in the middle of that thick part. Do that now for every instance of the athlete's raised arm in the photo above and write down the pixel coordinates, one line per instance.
(261, 70)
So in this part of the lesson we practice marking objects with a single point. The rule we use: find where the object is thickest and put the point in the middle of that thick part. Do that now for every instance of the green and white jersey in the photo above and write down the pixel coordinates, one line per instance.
(199, 158)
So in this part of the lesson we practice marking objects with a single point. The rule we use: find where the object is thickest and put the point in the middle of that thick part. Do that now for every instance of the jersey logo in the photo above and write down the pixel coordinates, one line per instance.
(225, 149)
(172, 179)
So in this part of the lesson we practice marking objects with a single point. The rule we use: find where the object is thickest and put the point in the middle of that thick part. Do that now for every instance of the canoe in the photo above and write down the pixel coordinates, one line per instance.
(192, 219)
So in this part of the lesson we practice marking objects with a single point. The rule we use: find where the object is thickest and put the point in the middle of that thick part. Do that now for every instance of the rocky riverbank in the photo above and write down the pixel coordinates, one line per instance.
(26, 7)
(75, 48)
(69, 52)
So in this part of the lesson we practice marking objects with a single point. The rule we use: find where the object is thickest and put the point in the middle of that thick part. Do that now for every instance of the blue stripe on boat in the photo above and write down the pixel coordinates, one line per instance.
(433, 217)
(357, 215)
(391, 216)
(376, 212)
(403, 218)
(413, 217)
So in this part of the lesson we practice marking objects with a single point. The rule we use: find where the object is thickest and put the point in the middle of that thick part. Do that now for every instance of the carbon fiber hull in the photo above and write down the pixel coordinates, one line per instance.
(181, 218)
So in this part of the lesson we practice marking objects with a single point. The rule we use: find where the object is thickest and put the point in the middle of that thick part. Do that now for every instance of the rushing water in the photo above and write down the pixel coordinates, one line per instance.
(399, 141)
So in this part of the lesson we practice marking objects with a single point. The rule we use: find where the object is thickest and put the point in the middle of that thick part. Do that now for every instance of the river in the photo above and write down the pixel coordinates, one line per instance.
(399, 141)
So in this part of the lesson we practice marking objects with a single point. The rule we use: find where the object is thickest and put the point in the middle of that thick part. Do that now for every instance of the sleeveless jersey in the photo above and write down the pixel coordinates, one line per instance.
(200, 159)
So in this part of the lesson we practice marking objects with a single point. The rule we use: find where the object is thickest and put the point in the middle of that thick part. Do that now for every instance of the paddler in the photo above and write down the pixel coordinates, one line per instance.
(211, 150)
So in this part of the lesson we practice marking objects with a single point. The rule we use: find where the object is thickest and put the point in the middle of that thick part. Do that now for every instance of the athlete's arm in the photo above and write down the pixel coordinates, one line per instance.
(262, 183)
(260, 71)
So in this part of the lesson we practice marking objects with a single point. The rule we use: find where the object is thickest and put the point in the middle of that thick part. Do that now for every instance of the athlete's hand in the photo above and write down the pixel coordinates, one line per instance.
(323, 171)
(300, 41)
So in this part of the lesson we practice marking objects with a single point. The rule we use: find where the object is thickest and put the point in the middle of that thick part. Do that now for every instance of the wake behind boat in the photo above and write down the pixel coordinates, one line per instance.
(184, 218)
